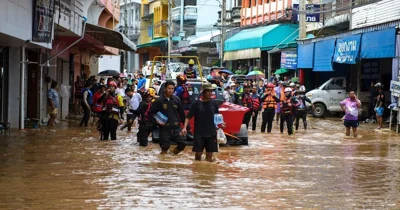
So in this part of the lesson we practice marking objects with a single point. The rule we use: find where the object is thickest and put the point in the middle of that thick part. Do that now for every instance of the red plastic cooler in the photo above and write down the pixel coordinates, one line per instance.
(233, 116)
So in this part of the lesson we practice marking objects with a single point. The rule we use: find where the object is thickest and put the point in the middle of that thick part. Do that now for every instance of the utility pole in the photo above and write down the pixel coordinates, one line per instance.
(169, 31)
(302, 19)
(222, 36)
(182, 32)
(125, 31)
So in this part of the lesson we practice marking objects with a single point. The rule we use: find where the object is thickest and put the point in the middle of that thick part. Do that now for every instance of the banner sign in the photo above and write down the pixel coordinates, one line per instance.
(42, 27)
(347, 49)
(289, 59)
(312, 14)
(395, 87)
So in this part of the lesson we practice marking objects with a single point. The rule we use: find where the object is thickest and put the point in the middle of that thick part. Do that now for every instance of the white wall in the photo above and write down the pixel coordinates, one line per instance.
(16, 19)
(109, 62)
(14, 87)
(376, 13)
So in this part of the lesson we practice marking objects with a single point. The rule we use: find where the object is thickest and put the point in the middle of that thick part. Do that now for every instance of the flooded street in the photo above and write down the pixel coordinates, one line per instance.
(318, 168)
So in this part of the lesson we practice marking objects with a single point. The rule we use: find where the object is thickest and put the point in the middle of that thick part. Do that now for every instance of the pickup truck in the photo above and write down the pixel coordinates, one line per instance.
(328, 96)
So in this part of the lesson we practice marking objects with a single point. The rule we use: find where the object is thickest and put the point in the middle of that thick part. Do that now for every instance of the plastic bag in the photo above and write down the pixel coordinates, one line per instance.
(65, 91)
(218, 119)
(160, 118)
(221, 138)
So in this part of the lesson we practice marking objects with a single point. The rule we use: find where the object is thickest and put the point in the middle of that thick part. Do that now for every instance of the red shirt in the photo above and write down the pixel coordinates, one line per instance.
(97, 107)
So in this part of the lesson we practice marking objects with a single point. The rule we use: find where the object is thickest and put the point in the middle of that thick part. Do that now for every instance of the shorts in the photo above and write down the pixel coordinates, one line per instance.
(51, 111)
(209, 143)
(351, 123)
(379, 111)
(130, 117)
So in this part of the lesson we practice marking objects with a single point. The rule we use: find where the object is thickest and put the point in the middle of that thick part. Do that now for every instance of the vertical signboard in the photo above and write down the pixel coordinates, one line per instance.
(312, 12)
(42, 27)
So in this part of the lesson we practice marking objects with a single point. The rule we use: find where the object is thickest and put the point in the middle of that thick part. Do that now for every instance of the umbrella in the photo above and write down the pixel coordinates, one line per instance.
(113, 73)
(295, 79)
(226, 71)
(281, 71)
(255, 75)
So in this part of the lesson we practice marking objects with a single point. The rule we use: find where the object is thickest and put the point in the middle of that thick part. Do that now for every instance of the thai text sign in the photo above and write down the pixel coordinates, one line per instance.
(289, 60)
(312, 12)
(347, 49)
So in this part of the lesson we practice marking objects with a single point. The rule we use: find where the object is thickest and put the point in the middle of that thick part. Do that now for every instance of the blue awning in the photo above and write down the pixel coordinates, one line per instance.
(379, 44)
(305, 56)
(323, 53)
(347, 49)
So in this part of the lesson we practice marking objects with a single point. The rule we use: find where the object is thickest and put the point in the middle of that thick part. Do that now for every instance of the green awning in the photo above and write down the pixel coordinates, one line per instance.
(154, 43)
(264, 38)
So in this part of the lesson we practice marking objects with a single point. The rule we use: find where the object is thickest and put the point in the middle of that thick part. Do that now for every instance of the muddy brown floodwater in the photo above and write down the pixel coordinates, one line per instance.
(318, 168)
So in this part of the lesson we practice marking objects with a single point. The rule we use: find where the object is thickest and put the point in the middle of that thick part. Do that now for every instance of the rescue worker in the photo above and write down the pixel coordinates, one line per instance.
(87, 101)
(279, 92)
(97, 107)
(238, 90)
(246, 100)
(170, 108)
(183, 91)
(288, 106)
(256, 107)
(111, 111)
(301, 111)
(205, 136)
(146, 119)
(269, 101)
(190, 72)
(132, 103)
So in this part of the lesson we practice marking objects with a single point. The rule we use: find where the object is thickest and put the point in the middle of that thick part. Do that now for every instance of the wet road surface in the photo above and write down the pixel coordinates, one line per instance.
(318, 168)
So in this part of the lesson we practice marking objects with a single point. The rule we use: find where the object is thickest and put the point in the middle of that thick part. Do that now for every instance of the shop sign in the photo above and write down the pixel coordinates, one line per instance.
(42, 27)
(347, 49)
(395, 87)
(289, 60)
(312, 12)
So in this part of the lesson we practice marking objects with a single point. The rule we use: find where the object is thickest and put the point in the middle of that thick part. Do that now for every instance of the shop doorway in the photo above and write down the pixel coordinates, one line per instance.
(4, 84)
(33, 87)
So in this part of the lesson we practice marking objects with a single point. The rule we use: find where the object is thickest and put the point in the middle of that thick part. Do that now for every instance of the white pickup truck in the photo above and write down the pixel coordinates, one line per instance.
(328, 96)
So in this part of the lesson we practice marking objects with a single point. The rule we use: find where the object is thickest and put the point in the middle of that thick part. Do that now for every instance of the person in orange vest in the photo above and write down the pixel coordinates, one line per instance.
(288, 109)
(269, 101)
(256, 107)
(246, 100)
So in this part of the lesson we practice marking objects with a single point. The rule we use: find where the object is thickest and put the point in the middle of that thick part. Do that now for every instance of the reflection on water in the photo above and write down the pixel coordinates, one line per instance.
(319, 168)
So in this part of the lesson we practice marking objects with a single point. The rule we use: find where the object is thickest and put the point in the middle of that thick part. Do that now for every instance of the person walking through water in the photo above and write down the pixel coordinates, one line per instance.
(52, 103)
(256, 107)
(111, 112)
(87, 101)
(190, 72)
(146, 120)
(246, 100)
(184, 92)
(205, 136)
(269, 101)
(288, 106)
(169, 112)
(351, 107)
(301, 111)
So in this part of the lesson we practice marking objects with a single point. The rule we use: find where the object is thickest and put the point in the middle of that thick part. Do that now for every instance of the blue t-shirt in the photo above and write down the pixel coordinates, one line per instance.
(141, 83)
(178, 91)
(53, 95)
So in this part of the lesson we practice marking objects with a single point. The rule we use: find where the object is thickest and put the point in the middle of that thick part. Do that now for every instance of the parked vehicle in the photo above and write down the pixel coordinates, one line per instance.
(328, 96)
(146, 70)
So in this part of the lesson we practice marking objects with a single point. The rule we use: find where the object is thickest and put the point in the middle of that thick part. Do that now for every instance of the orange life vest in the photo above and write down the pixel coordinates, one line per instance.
(269, 102)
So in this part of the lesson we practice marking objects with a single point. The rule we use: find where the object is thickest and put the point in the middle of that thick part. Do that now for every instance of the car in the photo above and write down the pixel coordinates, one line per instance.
(146, 70)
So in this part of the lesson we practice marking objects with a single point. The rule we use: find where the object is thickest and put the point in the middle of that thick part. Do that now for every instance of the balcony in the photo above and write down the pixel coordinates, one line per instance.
(71, 20)
(265, 12)
(189, 14)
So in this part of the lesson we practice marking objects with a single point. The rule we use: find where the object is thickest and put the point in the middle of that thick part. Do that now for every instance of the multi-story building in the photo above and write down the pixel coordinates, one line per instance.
(130, 26)
(153, 40)
(355, 39)
(32, 55)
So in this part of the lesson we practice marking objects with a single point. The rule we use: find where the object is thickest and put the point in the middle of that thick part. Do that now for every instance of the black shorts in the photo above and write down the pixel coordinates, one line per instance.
(209, 143)
(130, 117)
(351, 123)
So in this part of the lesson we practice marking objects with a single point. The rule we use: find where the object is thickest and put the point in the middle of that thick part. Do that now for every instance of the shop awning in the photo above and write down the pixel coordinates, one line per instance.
(242, 54)
(154, 43)
(378, 44)
(110, 38)
(305, 53)
(265, 38)
(323, 53)
(347, 49)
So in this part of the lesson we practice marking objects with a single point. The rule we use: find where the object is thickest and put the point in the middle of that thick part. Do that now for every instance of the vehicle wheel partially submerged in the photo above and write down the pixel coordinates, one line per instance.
(319, 110)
